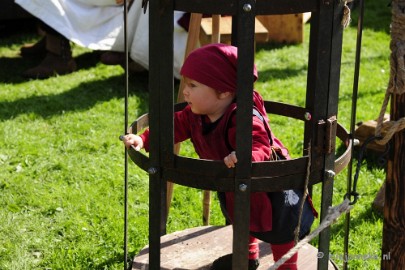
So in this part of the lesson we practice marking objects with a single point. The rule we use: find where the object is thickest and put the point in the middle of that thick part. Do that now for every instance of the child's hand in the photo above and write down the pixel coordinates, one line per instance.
(132, 139)
(230, 160)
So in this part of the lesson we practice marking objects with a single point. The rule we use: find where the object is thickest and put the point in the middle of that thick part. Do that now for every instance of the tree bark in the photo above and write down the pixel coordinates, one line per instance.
(393, 246)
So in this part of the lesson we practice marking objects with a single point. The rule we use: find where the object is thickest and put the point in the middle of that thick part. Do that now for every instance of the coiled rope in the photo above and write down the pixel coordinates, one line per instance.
(396, 85)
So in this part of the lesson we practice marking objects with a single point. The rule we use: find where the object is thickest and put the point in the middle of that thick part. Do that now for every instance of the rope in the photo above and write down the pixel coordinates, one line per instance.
(397, 79)
(396, 83)
(304, 197)
(333, 214)
(346, 19)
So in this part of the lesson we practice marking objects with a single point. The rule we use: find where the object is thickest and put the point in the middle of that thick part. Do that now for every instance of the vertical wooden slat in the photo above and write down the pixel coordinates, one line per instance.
(161, 120)
(215, 38)
(192, 41)
(245, 42)
(322, 100)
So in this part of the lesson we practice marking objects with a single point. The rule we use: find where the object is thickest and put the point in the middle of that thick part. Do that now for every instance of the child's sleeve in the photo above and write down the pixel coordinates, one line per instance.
(182, 125)
(261, 150)
(145, 138)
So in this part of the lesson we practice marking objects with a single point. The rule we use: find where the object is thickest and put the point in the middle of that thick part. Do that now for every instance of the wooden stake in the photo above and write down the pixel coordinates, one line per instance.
(192, 41)
(215, 38)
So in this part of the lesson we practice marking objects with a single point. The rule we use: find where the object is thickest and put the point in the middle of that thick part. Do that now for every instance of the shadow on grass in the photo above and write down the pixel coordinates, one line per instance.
(271, 46)
(274, 74)
(12, 27)
(82, 97)
(18, 65)
(377, 15)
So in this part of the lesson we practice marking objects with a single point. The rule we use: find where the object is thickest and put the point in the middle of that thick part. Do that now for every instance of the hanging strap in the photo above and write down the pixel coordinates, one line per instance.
(260, 116)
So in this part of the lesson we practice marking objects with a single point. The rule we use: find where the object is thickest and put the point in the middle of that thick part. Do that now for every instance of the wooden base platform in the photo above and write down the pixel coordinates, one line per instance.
(197, 248)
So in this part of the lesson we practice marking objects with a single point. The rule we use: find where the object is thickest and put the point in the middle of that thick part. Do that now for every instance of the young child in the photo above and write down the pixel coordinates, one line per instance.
(209, 120)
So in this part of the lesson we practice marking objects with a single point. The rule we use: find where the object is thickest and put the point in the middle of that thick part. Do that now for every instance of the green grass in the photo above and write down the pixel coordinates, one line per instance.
(61, 163)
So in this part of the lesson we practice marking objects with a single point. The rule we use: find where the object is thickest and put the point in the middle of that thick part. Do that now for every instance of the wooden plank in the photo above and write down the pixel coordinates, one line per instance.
(197, 248)
(287, 28)
(367, 129)
(225, 30)
(262, 6)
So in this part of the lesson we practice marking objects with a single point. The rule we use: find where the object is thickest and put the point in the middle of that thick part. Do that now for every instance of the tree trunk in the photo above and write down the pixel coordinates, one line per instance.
(393, 246)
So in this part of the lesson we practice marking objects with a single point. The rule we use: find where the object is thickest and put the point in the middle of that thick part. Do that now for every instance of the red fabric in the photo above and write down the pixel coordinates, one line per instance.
(259, 105)
(253, 248)
(214, 65)
(280, 250)
(213, 146)
(314, 212)
(145, 138)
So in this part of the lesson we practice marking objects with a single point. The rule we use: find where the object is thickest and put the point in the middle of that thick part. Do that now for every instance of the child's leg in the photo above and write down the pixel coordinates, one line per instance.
(253, 253)
(279, 250)
(253, 248)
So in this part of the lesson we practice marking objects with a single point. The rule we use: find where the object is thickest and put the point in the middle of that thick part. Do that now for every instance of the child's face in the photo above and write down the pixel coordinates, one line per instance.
(203, 99)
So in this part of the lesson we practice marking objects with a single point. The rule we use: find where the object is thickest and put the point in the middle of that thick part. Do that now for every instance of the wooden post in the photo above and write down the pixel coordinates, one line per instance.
(215, 38)
(192, 41)
(393, 245)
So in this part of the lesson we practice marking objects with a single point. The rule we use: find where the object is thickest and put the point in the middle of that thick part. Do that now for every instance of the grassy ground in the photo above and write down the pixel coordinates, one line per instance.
(61, 163)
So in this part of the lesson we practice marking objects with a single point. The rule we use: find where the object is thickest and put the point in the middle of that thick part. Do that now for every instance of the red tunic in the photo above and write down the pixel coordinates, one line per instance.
(210, 142)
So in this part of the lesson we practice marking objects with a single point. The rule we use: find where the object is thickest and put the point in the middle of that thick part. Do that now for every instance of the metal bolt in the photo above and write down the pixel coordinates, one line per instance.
(330, 173)
(152, 170)
(242, 187)
(308, 116)
(247, 7)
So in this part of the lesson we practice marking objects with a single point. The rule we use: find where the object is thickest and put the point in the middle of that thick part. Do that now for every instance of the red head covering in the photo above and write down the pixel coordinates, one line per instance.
(215, 66)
